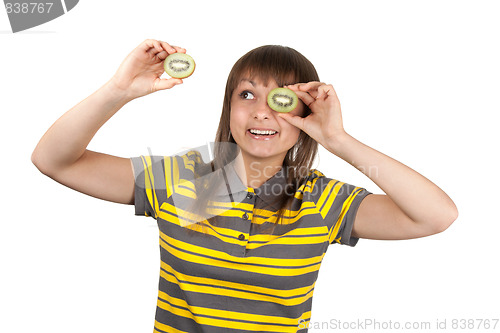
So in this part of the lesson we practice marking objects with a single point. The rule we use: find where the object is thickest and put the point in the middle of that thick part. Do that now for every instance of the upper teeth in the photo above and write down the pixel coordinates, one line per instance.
(253, 131)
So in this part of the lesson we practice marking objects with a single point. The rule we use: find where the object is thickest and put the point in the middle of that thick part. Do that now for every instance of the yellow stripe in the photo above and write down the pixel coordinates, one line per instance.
(181, 218)
(196, 154)
(289, 218)
(265, 213)
(230, 205)
(217, 207)
(168, 177)
(266, 239)
(288, 241)
(299, 195)
(240, 260)
(306, 231)
(166, 328)
(228, 212)
(188, 164)
(317, 173)
(329, 197)
(224, 234)
(185, 192)
(241, 264)
(288, 297)
(345, 209)
(196, 313)
(186, 183)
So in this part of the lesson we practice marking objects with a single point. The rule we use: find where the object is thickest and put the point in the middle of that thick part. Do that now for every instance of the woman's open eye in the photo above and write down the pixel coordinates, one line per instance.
(247, 95)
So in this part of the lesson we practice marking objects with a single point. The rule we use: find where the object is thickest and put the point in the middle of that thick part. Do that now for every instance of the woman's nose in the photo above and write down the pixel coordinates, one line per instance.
(262, 111)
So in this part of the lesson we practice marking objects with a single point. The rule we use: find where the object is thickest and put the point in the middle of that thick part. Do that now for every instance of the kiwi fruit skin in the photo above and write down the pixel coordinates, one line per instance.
(282, 100)
(181, 58)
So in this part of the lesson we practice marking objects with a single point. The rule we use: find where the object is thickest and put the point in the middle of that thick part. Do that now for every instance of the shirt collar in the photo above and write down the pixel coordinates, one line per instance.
(232, 186)
(273, 187)
(229, 183)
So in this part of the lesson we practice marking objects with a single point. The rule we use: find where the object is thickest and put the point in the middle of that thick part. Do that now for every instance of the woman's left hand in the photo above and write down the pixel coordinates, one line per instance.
(324, 124)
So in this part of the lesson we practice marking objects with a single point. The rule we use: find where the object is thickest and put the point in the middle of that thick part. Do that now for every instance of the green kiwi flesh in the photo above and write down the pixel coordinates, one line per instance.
(179, 65)
(282, 100)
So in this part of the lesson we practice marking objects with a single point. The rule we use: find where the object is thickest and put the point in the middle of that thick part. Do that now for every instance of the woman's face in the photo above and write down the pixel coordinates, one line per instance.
(250, 112)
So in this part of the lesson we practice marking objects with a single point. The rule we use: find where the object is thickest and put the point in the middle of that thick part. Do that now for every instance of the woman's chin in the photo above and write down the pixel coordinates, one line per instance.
(261, 154)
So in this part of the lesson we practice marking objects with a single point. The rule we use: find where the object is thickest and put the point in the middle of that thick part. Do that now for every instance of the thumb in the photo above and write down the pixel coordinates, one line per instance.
(294, 120)
(167, 83)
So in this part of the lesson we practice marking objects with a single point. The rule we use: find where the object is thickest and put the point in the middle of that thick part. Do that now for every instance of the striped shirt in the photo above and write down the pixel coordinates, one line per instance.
(236, 276)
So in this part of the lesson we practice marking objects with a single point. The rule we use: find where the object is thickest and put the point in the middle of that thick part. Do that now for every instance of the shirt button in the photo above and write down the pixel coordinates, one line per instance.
(245, 216)
(249, 196)
(241, 237)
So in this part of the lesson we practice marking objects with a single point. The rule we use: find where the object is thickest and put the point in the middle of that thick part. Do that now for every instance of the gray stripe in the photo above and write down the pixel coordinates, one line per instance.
(348, 221)
(239, 276)
(227, 261)
(279, 251)
(233, 303)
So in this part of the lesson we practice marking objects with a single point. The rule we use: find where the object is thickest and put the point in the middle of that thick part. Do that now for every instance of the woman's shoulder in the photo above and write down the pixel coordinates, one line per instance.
(316, 180)
(190, 163)
(192, 155)
(315, 176)
(315, 173)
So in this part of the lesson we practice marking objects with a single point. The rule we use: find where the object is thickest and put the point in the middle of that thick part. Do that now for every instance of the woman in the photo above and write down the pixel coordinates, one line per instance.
(242, 237)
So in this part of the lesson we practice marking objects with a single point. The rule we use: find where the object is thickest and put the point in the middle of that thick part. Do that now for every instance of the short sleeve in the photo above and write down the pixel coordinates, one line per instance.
(338, 203)
(150, 186)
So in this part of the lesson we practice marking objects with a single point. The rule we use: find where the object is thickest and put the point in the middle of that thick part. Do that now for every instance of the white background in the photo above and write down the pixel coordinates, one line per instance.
(417, 80)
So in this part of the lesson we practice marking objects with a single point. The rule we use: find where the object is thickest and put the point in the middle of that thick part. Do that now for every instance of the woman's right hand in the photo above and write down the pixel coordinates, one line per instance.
(139, 74)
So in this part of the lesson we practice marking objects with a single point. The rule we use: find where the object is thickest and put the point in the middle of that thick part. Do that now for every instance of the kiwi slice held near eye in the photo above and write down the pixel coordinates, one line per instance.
(282, 100)
(179, 65)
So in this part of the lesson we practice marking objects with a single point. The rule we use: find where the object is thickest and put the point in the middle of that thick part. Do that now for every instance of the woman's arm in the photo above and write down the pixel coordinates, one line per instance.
(61, 153)
(412, 207)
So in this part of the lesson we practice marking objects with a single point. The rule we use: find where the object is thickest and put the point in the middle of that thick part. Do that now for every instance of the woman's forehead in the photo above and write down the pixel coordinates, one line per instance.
(255, 81)
(265, 79)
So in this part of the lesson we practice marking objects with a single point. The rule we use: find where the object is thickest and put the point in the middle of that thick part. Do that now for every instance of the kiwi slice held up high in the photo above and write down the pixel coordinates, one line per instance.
(282, 100)
(179, 65)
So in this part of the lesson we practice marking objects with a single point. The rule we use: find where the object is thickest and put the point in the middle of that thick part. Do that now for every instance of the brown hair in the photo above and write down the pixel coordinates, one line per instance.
(285, 66)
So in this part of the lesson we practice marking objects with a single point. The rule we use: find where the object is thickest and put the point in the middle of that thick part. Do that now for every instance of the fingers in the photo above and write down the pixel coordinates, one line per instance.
(312, 91)
(325, 91)
(305, 97)
(296, 121)
(179, 49)
(313, 85)
(160, 48)
(162, 84)
(150, 44)
(310, 87)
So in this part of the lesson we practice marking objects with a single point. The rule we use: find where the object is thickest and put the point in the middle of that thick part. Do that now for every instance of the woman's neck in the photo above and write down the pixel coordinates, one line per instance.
(255, 172)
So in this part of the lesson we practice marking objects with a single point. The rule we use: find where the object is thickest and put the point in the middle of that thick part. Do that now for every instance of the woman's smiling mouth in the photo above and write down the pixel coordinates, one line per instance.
(262, 134)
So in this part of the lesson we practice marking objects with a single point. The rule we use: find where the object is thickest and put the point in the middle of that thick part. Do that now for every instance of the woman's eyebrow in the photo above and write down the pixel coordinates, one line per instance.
(253, 83)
